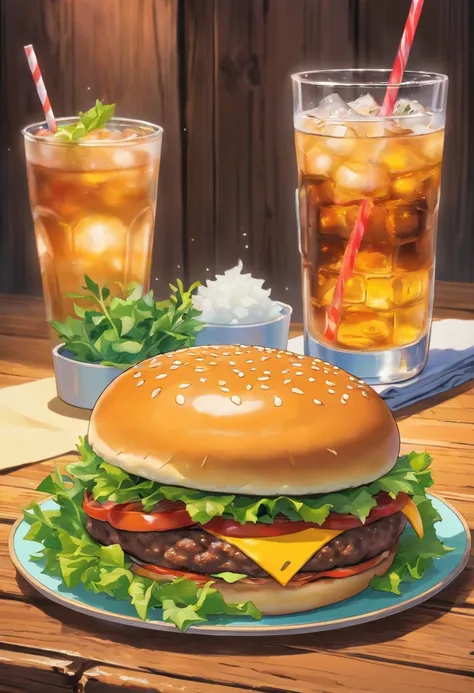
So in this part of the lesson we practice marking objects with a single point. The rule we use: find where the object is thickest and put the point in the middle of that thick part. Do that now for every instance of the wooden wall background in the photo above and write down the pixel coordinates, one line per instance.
(215, 74)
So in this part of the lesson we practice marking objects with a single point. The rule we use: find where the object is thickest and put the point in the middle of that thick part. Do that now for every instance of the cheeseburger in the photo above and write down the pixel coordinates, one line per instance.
(244, 480)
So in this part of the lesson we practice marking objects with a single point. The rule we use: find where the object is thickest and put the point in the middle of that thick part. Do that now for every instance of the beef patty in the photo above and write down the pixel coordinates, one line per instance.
(198, 551)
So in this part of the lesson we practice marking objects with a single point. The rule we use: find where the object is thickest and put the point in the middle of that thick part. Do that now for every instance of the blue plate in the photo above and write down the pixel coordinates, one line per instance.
(366, 606)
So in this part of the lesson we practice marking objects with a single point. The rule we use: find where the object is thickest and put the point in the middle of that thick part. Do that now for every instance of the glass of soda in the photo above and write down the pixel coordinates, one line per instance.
(93, 203)
(348, 154)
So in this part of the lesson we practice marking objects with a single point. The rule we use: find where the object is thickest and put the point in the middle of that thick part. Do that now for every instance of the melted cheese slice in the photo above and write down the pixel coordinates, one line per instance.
(412, 514)
(282, 557)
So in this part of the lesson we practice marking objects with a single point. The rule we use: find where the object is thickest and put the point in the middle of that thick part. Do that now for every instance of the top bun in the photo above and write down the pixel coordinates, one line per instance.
(244, 420)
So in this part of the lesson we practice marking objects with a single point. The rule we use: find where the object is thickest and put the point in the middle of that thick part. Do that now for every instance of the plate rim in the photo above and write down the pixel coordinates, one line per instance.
(244, 630)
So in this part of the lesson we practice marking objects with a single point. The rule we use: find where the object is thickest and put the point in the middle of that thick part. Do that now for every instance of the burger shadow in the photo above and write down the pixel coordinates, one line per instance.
(384, 630)
(57, 406)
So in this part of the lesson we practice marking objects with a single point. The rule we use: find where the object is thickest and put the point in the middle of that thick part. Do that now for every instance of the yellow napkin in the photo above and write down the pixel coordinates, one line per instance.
(36, 425)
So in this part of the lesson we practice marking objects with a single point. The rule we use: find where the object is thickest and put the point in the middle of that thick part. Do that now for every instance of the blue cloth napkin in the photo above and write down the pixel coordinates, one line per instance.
(450, 363)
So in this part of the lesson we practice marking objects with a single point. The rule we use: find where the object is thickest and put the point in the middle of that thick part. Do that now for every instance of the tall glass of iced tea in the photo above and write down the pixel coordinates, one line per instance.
(348, 154)
(93, 203)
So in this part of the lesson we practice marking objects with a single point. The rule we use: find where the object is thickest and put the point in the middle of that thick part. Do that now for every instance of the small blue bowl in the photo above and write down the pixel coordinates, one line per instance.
(273, 333)
(80, 384)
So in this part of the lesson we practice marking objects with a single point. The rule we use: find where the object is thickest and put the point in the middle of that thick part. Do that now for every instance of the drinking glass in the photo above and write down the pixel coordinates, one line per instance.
(380, 291)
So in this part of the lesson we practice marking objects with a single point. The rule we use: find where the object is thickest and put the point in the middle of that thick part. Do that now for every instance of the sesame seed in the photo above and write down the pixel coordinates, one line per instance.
(173, 368)
(299, 373)
(265, 387)
(183, 386)
(231, 363)
(263, 377)
(278, 356)
(140, 382)
(329, 382)
(267, 372)
(360, 387)
(315, 368)
(311, 380)
(212, 363)
(332, 451)
(331, 392)
(361, 382)
(152, 361)
(137, 375)
(253, 368)
(169, 356)
(248, 387)
(156, 392)
(161, 376)
(240, 374)
(297, 391)
(178, 362)
(226, 353)
(216, 356)
(351, 377)
(285, 371)
(249, 361)
(180, 399)
(277, 401)
(317, 401)
(292, 363)
(325, 370)
(199, 370)
(336, 368)
(221, 382)
(316, 360)
(349, 387)
(326, 363)
(225, 389)
(364, 394)
(238, 353)
(236, 399)
(203, 380)
(300, 358)
(264, 358)
(345, 396)
(343, 401)
(199, 359)
(285, 382)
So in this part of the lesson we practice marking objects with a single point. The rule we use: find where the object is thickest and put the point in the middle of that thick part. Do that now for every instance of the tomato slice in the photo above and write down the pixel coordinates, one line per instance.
(131, 518)
(96, 510)
(385, 506)
(155, 571)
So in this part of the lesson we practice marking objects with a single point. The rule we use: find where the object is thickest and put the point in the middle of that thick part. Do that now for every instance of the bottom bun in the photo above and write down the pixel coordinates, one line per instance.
(272, 599)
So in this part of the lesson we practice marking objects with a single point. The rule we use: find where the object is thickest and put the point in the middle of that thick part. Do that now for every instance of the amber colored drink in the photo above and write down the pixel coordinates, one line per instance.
(93, 203)
(387, 300)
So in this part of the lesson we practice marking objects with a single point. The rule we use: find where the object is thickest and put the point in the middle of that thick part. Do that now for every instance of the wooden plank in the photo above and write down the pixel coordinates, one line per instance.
(87, 51)
(26, 356)
(21, 672)
(198, 52)
(421, 639)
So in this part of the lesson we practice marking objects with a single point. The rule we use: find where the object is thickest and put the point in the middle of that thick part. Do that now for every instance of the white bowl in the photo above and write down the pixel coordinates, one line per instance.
(79, 383)
(273, 333)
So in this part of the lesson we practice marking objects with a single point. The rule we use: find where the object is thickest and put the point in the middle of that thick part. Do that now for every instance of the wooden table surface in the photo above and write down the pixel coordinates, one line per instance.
(47, 648)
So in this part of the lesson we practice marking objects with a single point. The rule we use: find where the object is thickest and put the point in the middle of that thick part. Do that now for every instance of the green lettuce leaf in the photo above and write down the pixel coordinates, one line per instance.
(69, 552)
(414, 556)
(230, 577)
(106, 482)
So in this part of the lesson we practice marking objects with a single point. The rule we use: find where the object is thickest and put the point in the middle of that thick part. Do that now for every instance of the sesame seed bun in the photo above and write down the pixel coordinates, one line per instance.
(244, 420)
(273, 600)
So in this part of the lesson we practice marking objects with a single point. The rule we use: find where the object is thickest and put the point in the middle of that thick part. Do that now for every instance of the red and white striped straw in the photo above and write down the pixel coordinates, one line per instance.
(40, 88)
(334, 311)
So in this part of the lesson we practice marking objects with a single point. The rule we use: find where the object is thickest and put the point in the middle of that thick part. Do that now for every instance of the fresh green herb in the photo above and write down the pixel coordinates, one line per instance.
(107, 482)
(120, 331)
(70, 553)
(95, 118)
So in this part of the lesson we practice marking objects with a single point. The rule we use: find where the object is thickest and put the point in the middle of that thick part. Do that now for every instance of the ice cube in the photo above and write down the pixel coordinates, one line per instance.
(411, 287)
(332, 106)
(361, 328)
(365, 105)
(404, 222)
(374, 262)
(405, 107)
(379, 293)
(318, 163)
(410, 323)
(355, 180)
(338, 139)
